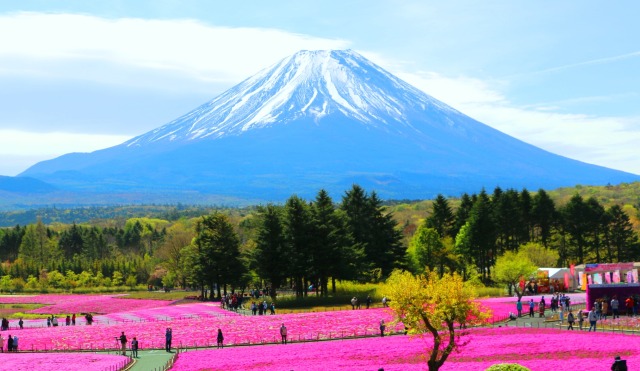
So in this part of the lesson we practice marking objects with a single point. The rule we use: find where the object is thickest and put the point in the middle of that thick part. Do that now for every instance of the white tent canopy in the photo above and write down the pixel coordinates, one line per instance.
(555, 273)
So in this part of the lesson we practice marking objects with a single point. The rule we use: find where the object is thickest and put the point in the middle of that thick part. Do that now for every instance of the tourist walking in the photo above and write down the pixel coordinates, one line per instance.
(598, 306)
(283, 333)
(580, 318)
(134, 347)
(615, 305)
(168, 337)
(21, 324)
(382, 328)
(629, 305)
(593, 319)
(220, 339)
(10, 344)
(123, 343)
(519, 308)
(570, 320)
(1, 344)
(531, 307)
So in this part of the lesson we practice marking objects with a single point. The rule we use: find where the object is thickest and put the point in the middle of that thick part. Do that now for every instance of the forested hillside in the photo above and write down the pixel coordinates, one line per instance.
(301, 243)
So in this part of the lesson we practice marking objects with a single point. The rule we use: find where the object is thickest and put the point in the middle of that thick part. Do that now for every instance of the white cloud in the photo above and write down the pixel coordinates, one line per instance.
(185, 46)
(605, 141)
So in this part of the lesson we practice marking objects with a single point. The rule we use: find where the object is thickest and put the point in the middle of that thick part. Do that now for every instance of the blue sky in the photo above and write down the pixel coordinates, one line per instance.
(77, 76)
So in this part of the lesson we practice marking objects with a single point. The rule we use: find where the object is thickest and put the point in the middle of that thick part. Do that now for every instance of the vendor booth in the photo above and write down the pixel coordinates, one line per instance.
(604, 281)
(548, 280)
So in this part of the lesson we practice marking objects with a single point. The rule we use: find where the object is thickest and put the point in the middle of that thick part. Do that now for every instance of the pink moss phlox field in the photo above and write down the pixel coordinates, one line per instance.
(58, 304)
(61, 362)
(200, 331)
(169, 313)
(537, 349)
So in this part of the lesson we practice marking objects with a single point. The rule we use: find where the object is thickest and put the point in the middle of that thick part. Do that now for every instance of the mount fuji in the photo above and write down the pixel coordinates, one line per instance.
(319, 119)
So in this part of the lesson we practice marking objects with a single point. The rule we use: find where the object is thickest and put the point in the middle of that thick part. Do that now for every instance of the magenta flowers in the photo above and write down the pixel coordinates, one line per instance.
(59, 362)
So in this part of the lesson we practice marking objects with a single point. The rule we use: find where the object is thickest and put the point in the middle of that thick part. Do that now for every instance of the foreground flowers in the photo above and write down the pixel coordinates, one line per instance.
(59, 362)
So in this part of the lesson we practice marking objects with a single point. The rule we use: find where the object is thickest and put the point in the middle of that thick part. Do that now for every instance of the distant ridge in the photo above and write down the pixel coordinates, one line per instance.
(320, 119)
(24, 185)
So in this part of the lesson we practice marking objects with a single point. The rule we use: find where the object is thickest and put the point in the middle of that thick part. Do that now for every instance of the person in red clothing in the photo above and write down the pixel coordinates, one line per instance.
(629, 305)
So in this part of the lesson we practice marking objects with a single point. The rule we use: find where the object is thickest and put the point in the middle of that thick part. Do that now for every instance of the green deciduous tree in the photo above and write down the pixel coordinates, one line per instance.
(427, 249)
(511, 267)
(540, 255)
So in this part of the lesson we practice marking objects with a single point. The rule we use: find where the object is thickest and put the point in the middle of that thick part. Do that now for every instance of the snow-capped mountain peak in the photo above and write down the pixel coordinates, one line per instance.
(308, 84)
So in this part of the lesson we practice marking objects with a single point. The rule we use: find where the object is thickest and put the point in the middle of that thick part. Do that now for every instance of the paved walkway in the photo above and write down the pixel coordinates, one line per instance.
(550, 319)
(151, 360)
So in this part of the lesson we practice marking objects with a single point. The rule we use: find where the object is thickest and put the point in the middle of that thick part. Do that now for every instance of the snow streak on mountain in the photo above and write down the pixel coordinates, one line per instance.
(310, 84)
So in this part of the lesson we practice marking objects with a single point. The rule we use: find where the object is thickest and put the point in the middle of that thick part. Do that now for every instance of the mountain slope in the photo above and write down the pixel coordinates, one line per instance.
(321, 119)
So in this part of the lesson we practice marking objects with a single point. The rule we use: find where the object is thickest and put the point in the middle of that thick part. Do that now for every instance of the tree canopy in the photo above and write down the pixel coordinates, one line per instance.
(433, 305)
(511, 267)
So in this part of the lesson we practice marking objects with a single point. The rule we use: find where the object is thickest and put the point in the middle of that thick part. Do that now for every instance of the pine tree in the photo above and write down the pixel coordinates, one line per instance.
(218, 249)
(621, 238)
(270, 257)
(441, 218)
(297, 237)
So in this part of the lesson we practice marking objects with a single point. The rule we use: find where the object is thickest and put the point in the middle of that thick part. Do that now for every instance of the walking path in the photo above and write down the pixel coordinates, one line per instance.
(151, 360)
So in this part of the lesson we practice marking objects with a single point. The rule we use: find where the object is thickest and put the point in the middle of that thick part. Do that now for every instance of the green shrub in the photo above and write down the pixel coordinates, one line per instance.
(507, 367)
(485, 292)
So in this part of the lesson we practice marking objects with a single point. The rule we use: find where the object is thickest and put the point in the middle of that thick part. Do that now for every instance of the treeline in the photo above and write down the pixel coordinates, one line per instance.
(302, 243)
(485, 226)
(69, 215)
(40, 257)
(297, 244)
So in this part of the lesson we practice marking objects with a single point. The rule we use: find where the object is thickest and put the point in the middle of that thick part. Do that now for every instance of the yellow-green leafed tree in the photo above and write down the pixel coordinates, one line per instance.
(432, 306)
(511, 267)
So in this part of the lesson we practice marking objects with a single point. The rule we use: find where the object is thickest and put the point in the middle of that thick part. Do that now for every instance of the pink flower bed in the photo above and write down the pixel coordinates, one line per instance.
(537, 349)
(171, 312)
(62, 362)
(59, 304)
(192, 332)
